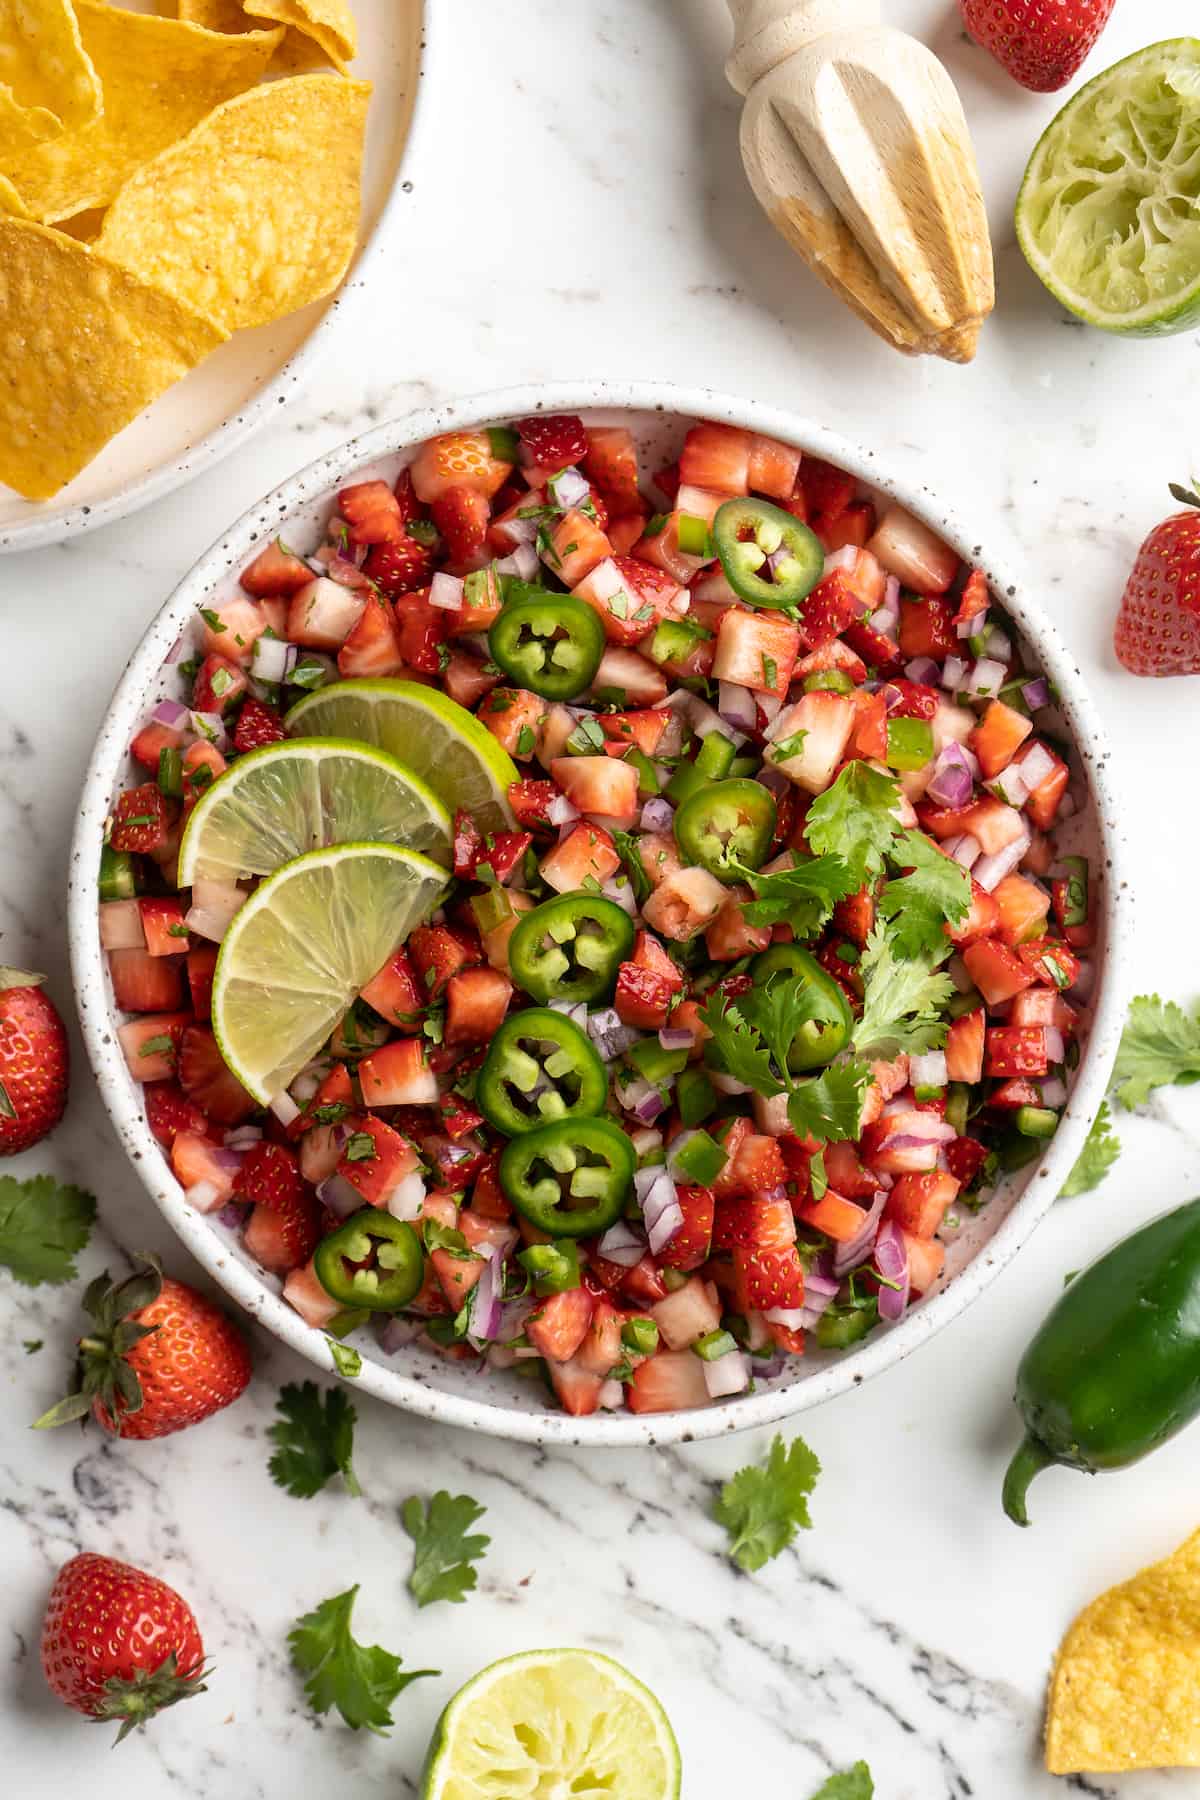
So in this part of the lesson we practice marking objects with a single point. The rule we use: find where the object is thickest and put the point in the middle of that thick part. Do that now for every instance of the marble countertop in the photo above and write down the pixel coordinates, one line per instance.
(578, 208)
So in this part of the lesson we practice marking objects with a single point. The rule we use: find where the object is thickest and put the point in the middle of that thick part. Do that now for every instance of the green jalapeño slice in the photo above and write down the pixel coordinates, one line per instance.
(570, 1179)
(826, 1030)
(570, 948)
(540, 1067)
(726, 823)
(372, 1261)
(549, 643)
(769, 557)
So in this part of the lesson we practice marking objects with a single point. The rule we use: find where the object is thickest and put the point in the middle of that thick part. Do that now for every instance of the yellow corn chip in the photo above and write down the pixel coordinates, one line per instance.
(160, 79)
(10, 200)
(297, 55)
(83, 348)
(214, 15)
(329, 22)
(1125, 1693)
(47, 82)
(255, 213)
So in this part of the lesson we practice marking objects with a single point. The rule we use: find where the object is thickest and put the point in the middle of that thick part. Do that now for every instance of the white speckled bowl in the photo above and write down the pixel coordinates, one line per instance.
(418, 1380)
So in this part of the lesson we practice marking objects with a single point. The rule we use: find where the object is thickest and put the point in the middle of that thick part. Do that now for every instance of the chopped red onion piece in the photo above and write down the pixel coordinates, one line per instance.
(1036, 694)
(924, 670)
(340, 1196)
(1010, 786)
(991, 870)
(848, 1256)
(725, 1375)
(171, 713)
(999, 644)
(669, 1217)
(987, 678)
(485, 1300)
(645, 1141)
(521, 562)
(1036, 766)
(210, 726)
(562, 812)
(284, 1108)
(772, 778)
(818, 1286)
(1085, 981)
(644, 1179)
(702, 719)
(346, 573)
(610, 1034)
(952, 781)
(929, 1070)
(1053, 1091)
(891, 594)
(575, 1010)
(272, 659)
(446, 591)
(790, 1317)
(845, 558)
(972, 627)
(727, 1084)
(234, 1213)
(204, 1196)
(567, 489)
(966, 851)
(737, 707)
(954, 673)
(407, 1197)
(658, 815)
(395, 1332)
(611, 1396)
(676, 1037)
(175, 653)
(1056, 1049)
(242, 1137)
(884, 620)
(622, 1244)
(891, 1259)
(620, 891)
(651, 1106)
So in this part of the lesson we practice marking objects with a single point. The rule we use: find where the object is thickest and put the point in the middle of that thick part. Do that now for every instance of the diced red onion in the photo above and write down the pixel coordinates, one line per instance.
(972, 627)
(575, 1010)
(999, 645)
(1085, 981)
(233, 1214)
(204, 1196)
(923, 669)
(309, 1079)
(621, 893)
(885, 620)
(928, 1070)
(737, 707)
(662, 1212)
(727, 1084)
(516, 531)
(272, 658)
(774, 779)
(1053, 1091)
(702, 719)
(1056, 1049)
(408, 1196)
(891, 594)
(954, 673)
(965, 851)
(644, 1179)
(623, 1245)
(446, 591)
(610, 1034)
(845, 558)
(810, 1316)
(951, 782)
(676, 1037)
(171, 713)
(651, 1106)
(175, 653)
(658, 815)
(1036, 766)
(990, 871)
(891, 1259)
(121, 925)
(644, 1141)
(790, 1317)
(725, 1375)
(1036, 694)
(611, 1396)
(562, 811)
(340, 1196)
(1009, 785)
(567, 489)
(210, 922)
(848, 1256)
(346, 573)
(987, 678)
(959, 974)
(485, 1300)
(523, 563)
(284, 1108)
(395, 1332)
(210, 726)
(242, 1137)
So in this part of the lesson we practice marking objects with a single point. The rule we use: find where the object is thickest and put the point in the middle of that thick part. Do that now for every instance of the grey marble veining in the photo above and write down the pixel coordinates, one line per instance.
(578, 208)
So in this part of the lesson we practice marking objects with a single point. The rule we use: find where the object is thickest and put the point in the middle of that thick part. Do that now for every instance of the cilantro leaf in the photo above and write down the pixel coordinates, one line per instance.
(849, 1784)
(901, 1001)
(444, 1553)
(42, 1224)
(629, 851)
(444, 1237)
(919, 904)
(829, 1106)
(777, 1008)
(740, 1045)
(763, 1508)
(1160, 1045)
(855, 819)
(802, 896)
(1097, 1157)
(315, 1435)
(346, 1359)
(361, 1680)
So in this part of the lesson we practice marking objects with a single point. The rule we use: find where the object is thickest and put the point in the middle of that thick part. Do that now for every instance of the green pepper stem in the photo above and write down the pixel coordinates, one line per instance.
(1030, 1460)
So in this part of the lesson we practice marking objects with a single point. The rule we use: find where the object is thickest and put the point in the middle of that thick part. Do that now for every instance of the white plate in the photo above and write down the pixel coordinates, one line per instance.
(235, 391)
(455, 1393)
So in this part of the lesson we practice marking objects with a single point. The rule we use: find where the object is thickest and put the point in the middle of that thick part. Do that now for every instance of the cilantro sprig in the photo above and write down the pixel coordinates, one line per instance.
(1097, 1157)
(856, 820)
(848, 1784)
(917, 905)
(803, 896)
(360, 1680)
(753, 1036)
(315, 1439)
(43, 1223)
(763, 1507)
(902, 1000)
(444, 1550)
(1160, 1047)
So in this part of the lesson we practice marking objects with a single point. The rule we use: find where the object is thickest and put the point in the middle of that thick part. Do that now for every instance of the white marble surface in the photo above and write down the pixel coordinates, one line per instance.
(578, 208)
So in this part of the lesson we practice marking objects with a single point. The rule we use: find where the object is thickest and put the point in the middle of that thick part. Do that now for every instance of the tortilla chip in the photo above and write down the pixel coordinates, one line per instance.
(1125, 1693)
(47, 82)
(214, 15)
(10, 200)
(330, 23)
(296, 55)
(255, 214)
(83, 348)
(160, 79)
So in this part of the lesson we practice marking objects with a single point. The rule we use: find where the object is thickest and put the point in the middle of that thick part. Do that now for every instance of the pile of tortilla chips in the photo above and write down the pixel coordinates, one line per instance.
(164, 181)
(1125, 1693)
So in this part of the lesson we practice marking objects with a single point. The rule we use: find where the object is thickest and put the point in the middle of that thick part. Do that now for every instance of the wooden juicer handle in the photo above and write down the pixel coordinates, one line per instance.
(856, 146)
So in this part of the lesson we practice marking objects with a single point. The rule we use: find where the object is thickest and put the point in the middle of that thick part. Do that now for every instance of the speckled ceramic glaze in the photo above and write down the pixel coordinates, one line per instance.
(472, 1397)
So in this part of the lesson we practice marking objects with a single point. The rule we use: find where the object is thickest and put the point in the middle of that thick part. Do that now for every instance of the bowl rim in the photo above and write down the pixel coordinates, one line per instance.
(610, 1430)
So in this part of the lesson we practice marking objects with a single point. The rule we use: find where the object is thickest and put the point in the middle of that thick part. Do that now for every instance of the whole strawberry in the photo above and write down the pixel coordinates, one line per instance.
(118, 1643)
(1040, 42)
(1158, 626)
(159, 1357)
(33, 1062)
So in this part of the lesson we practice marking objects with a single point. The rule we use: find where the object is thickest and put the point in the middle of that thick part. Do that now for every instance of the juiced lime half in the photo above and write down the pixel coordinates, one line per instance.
(1109, 212)
(430, 733)
(303, 946)
(280, 802)
(553, 1725)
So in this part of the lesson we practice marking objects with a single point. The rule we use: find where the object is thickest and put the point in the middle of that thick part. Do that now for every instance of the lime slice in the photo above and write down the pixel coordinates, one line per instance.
(1109, 212)
(301, 948)
(277, 803)
(430, 733)
(553, 1723)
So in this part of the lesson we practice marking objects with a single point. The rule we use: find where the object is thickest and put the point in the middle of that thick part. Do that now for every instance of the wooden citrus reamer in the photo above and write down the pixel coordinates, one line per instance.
(857, 149)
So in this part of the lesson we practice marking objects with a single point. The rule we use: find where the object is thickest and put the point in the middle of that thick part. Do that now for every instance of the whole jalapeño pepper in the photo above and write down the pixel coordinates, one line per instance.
(569, 1179)
(549, 643)
(1115, 1369)
(372, 1262)
(571, 947)
(540, 1067)
(769, 557)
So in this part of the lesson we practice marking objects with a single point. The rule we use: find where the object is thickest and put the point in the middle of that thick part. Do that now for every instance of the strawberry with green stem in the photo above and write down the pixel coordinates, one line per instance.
(1158, 626)
(34, 1061)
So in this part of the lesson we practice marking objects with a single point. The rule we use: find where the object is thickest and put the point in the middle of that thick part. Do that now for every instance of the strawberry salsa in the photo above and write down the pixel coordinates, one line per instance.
(771, 972)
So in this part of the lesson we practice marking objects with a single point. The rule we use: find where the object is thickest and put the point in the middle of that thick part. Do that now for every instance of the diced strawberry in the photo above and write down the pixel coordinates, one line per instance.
(906, 699)
(731, 936)
(998, 736)
(611, 463)
(560, 1324)
(1050, 961)
(868, 737)
(476, 1002)
(688, 1313)
(395, 994)
(392, 1160)
(600, 1350)
(552, 441)
(880, 652)
(644, 728)
(773, 467)
(322, 615)
(926, 1260)
(142, 820)
(625, 674)
(835, 655)
(202, 764)
(964, 1159)
(660, 546)
(437, 953)
(232, 629)
(671, 1381)
(927, 629)
(1016, 1050)
(909, 550)
(458, 1116)
(845, 1173)
(756, 1166)
(501, 852)
(150, 1045)
(467, 680)
(458, 459)
(200, 1168)
(205, 1078)
(576, 545)
(983, 917)
(992, 824)
(768, 1278)
(269, 1176)
(169, 1111)
(371, 511)
(400, 566)
(834, 1215)
(461, 516)
(457, 1274)
(1043, 801)
(828, 491)
(162, 926)
(756, 650)
(218, 685)
(964, 1047)
(826, 719)
(399, 1074)
(854, 528)
(684, 903)
(514, 717)
(975, 598)
(691, 1243)
(997, 971)
(917, 1203)
(1022, 908)
(150, 742)
(487, 1196)
(643, 999)
(144, 982)
(854, 918)
(1011, 1095)
(754, 1223)
(257, 726)
(716, 456)
(829, 609)
(283, 1236)
(373, 645)
(201, 967)
(577, 1388)
(529, 801)
(422, 633)
(304, 1292)
(275, 571)
(603, 787)
(587, 851)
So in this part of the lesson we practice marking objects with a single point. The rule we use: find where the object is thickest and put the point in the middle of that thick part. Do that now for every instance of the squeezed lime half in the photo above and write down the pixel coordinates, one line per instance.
(1108, 215)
